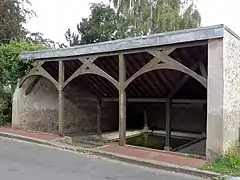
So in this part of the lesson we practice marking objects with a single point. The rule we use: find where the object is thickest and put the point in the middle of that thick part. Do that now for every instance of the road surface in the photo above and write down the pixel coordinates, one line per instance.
(22, 161)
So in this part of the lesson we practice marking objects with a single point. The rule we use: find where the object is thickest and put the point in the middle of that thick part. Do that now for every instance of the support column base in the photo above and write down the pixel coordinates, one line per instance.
(122, 143)
(167, 148)
(146, 128)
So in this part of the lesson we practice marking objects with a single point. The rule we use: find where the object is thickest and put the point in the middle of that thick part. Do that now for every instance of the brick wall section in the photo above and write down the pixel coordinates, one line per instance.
(231, 92)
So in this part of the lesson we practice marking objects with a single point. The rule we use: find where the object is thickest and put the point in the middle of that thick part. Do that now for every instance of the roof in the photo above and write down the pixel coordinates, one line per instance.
(162, 39)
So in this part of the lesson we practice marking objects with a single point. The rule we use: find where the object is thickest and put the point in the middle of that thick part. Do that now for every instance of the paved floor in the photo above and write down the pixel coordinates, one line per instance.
(19, 160)
(151, 154)
(30, 134)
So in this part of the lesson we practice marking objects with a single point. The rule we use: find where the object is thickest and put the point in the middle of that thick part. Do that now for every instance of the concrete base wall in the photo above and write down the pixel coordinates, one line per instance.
(223, 94)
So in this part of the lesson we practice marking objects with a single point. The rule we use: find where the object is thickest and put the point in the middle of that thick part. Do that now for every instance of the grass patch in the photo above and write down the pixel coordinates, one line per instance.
(228, 164)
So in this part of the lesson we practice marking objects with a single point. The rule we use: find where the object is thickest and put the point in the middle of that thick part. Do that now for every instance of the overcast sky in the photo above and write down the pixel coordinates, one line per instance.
(56, 16)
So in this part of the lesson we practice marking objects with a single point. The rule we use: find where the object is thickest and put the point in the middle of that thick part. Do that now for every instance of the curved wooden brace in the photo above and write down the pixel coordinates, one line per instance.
(37, 74)
(38, 70)
(199, 78)
(166, 63)
(145, 69)
(179, 67)
(91, 69)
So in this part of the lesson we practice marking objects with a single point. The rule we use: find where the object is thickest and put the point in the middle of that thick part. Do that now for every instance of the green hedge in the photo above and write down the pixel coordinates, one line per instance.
(5, 107)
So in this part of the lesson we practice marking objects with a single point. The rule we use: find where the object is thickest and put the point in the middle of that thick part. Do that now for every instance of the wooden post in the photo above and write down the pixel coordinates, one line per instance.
(99, 113)
(145, 120)
(122, 101)
(168, 126)
(61, 98)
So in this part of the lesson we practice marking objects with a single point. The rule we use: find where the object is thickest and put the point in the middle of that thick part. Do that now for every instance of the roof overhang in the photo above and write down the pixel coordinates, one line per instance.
(163, 39)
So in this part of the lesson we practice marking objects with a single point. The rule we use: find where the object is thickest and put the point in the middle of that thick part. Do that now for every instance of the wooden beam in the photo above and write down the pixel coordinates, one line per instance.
(99, 113)
(32, 85)
(152, 65)
(182, 81)
(38, 70)
(88, 67)
(157, 100)
(145, 120)
(156, 77)
(122, 100)
(190, 101)
(148, 85)
(170, 63)
(168, 126)
(203, 69)
(61, 98)
(140, 89)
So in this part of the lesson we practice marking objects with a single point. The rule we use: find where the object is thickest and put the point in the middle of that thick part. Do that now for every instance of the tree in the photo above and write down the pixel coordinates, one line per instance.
(104, 24)
(134, 18)
(13, 15)
(160, 15)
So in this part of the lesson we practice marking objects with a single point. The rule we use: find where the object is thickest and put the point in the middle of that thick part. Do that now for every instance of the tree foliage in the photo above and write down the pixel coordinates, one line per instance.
(158, 16)
(103, 24)
(11, 66)
(134, 18)
(13, 14)
(5, 107)
(14, 40)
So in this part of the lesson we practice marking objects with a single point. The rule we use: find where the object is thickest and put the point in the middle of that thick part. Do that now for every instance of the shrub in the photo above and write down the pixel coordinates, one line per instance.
(5, 107)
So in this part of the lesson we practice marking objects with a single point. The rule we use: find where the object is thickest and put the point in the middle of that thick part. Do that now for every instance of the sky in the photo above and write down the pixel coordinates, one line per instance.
(54, 17)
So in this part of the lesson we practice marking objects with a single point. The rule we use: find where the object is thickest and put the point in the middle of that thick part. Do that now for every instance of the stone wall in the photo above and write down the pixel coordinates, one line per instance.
(109, 116)
(231, 93)
(39, 110)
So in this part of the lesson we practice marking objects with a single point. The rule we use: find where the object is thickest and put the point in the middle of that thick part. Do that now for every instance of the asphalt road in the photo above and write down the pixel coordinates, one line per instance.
(23, 161)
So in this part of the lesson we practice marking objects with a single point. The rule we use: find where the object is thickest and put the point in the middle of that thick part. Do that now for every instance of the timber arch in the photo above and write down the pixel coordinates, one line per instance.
(160, 61)
(88, 67)
(38, 70)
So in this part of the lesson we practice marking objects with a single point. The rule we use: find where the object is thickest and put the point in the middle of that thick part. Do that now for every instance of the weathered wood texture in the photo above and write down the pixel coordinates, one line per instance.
(168, 125)
(145, 120)
(61, 98)
(156, 100)
(122, 101)
(99, 113)
(38, 70)
(89, 67)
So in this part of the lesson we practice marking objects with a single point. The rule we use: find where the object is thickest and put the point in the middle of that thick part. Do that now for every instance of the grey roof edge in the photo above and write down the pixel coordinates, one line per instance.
(182, 36)
(232, 32)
